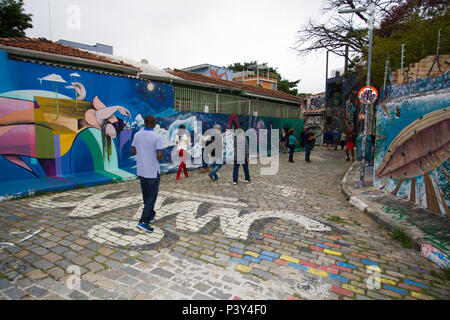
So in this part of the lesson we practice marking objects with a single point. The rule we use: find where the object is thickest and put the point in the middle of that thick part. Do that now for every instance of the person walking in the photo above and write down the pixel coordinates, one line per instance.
(309, 142)
(148, 148)
(336, 135)
(292, 143)
(241, 155)
(203, 141)
(343, 140)
(283, 140)
(183, 141)
(215, 167)
(351, 145)
(302, 138)
(327, 136)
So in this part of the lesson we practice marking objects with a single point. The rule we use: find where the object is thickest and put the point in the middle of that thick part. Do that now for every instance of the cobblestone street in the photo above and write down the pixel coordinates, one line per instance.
(288, 236)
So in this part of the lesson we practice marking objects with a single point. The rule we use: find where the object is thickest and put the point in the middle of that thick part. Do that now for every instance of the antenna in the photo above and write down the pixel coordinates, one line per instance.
(436, 58)
(402, 57)
(50, 20)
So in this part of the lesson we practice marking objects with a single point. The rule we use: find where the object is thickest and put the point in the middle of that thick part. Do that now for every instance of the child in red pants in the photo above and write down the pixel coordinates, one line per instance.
(182, 141)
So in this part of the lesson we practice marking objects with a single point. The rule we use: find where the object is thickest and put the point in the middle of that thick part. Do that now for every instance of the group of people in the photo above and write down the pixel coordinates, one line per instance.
(288, 141)
(334, 138)
(241, 155)
(331, 138)
(148, 148)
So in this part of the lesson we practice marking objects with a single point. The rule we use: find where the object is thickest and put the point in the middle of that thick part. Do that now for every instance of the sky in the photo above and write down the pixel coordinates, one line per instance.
(179, 34)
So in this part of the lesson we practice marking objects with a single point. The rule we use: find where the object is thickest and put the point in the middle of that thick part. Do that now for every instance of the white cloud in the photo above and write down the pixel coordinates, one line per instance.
(178, 34)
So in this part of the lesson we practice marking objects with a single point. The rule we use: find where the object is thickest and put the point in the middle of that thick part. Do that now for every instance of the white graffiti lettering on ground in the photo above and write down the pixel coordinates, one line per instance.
(105, 233)
(285, 191)
(29, 236)
(90, 206)
(233, 223)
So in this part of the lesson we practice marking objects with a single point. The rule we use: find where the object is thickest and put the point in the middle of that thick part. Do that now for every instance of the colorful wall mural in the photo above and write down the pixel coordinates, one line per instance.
(214, 72)
(62, 128)
(413, 146)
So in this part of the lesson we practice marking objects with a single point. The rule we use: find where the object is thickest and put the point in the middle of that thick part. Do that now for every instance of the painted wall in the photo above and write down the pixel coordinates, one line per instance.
(412, 148)
(62, 128)
(216, 72)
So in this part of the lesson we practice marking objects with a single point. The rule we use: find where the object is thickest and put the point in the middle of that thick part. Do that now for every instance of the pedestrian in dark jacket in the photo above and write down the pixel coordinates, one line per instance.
(241, 156)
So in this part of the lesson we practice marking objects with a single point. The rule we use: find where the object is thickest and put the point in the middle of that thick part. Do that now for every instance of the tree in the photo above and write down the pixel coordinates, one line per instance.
(13, 20)
(283, 84)
(340, 30)
(414, 23)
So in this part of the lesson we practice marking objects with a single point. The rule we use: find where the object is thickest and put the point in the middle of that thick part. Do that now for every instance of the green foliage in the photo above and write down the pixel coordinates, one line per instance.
(420, 38)
(13, 20)
(446, 273)
(283, 84)
(400, 236)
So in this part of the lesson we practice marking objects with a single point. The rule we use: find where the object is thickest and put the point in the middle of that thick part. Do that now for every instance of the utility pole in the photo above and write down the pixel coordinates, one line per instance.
(370, 22)
(50, 20)
(402, 59)
(388, 66)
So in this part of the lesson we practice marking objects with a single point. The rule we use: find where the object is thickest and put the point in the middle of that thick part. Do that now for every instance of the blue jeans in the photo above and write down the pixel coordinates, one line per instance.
(308, 148)
(204, 163)
(291, 152)
(149, 187)
(215, 167)
(236, 171)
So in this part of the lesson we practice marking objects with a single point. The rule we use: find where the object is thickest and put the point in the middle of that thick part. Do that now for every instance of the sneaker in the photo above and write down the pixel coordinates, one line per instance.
(347, 159)
(179, 179)
(235, 182)
(203, 170)
(145, 227)
(152, 220)
(211, 177)
(248, 181)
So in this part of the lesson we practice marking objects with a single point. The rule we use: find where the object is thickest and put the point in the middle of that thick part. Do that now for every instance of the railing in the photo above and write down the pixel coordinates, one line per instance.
(193, 100)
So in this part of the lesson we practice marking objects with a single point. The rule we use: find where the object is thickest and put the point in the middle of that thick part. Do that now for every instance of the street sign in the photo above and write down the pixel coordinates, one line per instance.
(368, 95)
(362, 116)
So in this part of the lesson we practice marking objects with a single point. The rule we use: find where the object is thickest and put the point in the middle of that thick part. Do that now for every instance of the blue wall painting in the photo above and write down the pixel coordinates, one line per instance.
(413, 146)
(61, 128)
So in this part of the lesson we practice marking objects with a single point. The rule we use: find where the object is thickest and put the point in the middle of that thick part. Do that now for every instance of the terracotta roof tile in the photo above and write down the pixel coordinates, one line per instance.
(315, 111)
(44, 45)
(257, 90)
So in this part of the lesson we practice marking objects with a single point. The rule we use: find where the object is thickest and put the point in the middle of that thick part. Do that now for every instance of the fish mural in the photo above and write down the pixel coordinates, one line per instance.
(413, 151)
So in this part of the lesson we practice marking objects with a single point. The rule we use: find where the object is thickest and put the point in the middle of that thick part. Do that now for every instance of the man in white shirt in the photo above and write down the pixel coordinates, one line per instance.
(148, 146)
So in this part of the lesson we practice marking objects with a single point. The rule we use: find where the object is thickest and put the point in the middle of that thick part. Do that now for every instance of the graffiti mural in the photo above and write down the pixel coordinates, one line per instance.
(412, 151)
(179, 204)
(62, 128)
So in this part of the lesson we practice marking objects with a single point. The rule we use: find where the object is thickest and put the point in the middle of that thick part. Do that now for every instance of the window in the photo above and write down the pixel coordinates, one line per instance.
(183, 104)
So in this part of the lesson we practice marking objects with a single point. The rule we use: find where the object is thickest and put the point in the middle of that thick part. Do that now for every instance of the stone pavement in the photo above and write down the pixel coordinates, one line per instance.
(420, 226)
(288, 236)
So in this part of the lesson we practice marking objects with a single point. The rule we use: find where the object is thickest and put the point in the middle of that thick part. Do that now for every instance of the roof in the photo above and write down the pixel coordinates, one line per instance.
(233, 84)
(47, 46)
(146, 69)
(314, 111)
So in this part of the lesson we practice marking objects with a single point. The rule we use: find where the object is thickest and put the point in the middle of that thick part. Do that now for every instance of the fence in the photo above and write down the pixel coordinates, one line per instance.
(193, 100)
